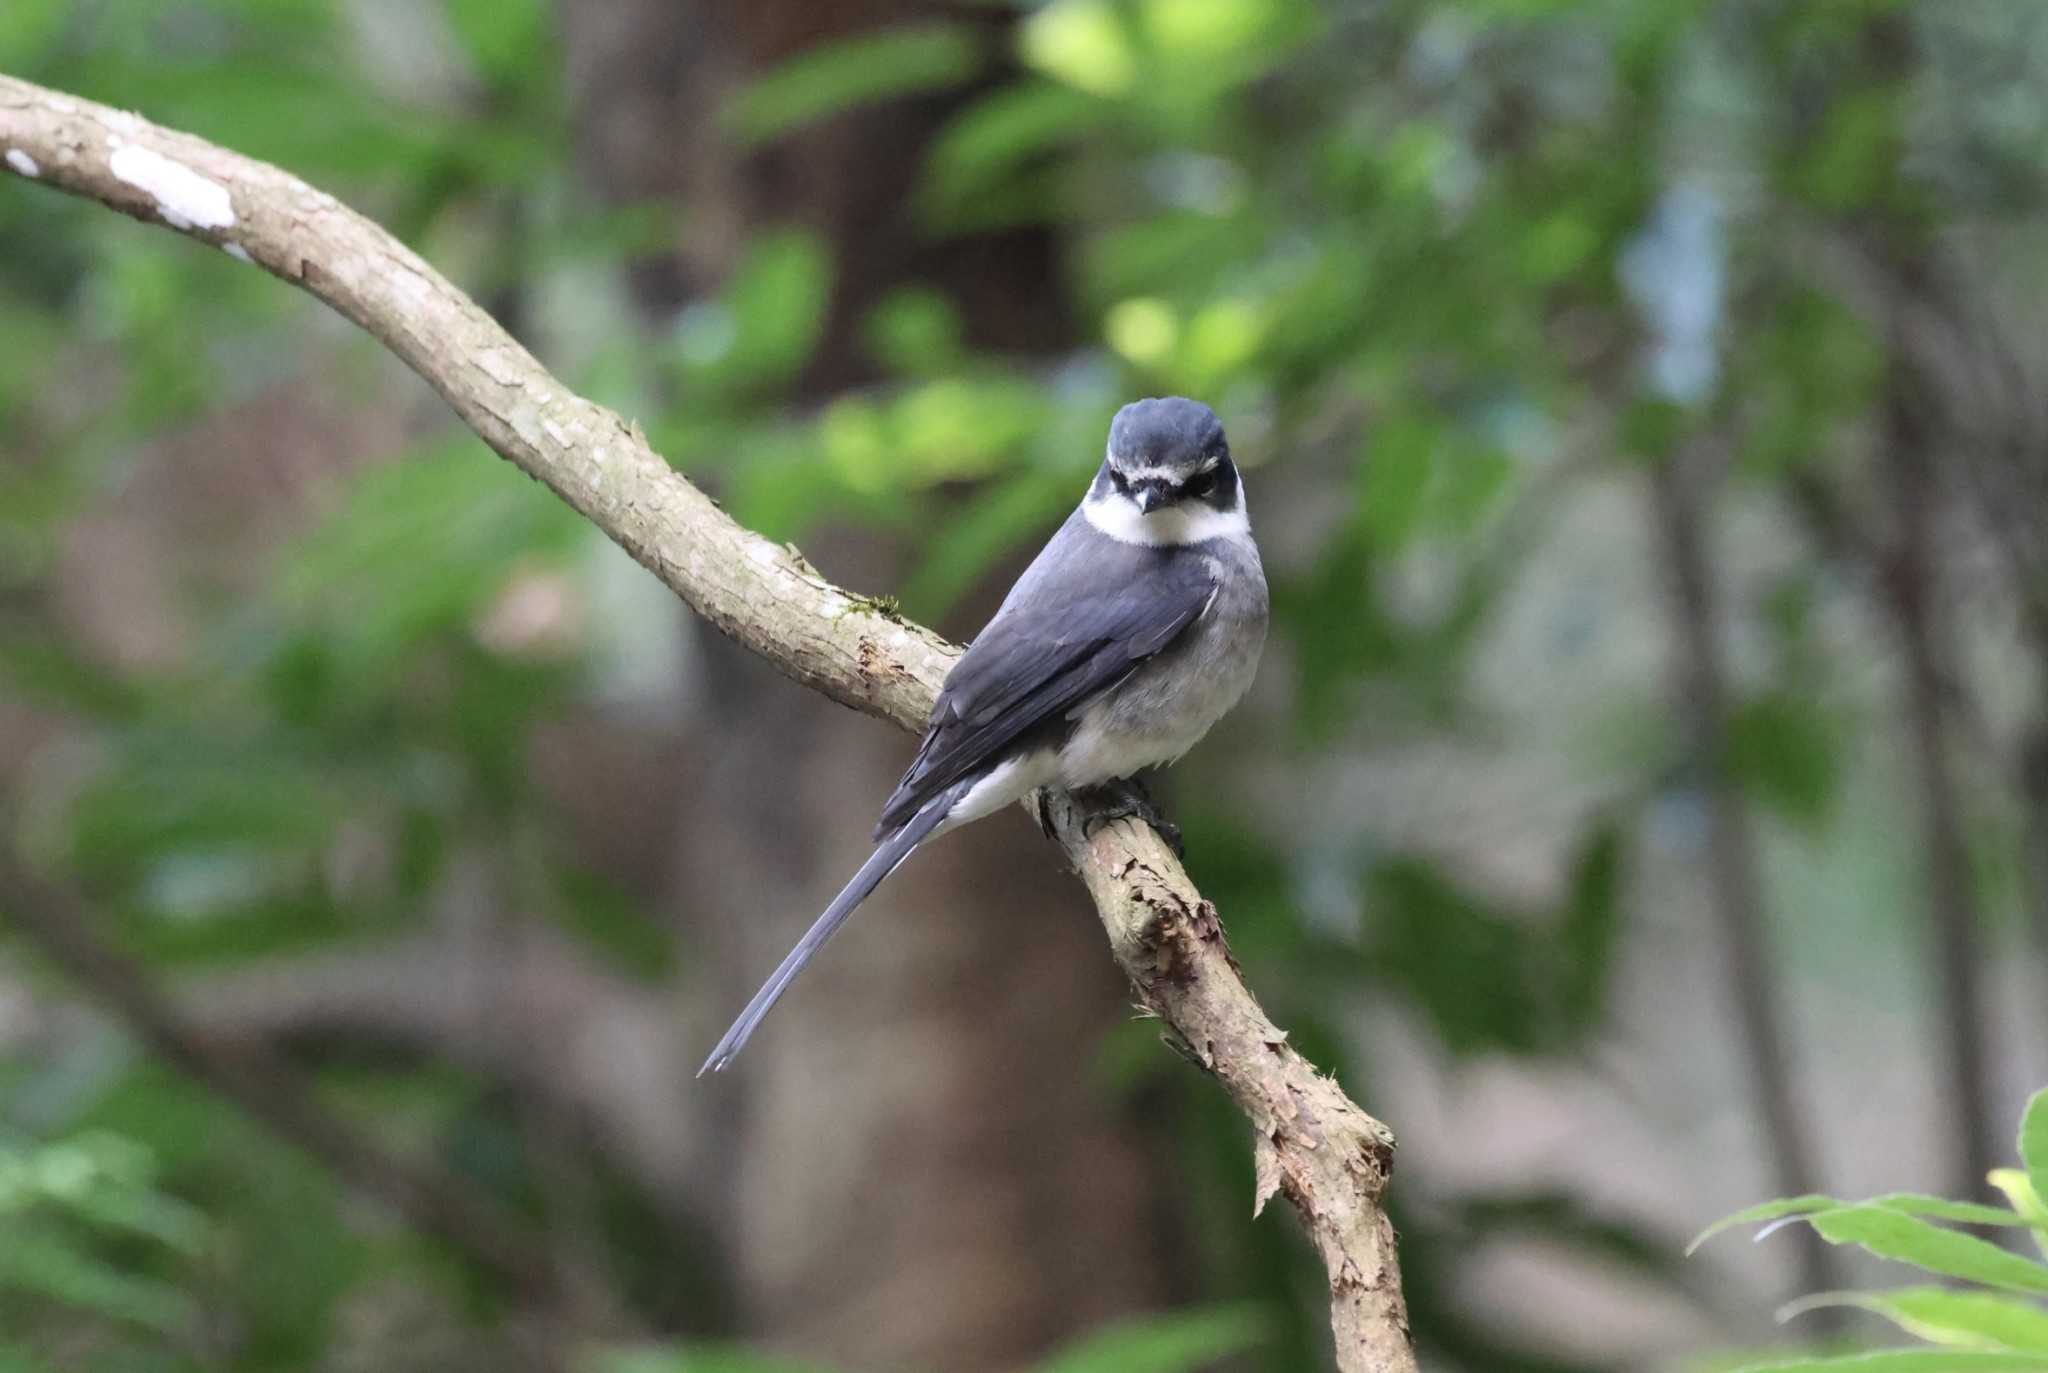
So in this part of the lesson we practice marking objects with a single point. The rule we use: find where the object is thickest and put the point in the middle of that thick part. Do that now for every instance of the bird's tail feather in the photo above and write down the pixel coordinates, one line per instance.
(887, 856)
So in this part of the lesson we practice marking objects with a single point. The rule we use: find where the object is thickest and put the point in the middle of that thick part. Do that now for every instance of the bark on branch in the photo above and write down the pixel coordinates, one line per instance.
(1313, 1145)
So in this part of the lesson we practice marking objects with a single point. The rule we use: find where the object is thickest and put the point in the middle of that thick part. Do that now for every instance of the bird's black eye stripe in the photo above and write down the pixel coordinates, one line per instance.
(1116, 479)
(1202, 483)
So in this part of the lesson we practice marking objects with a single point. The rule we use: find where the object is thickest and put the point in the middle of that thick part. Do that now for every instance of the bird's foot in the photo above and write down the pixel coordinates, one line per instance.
(1041, 806)
(1132, 799)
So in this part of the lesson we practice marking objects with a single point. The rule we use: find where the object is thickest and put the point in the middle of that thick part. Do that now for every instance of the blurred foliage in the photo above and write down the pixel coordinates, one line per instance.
(1183, 1342)
(1389, 242)
(363, 703)
(843, 75)
(1996, 1319)
(89, 1230)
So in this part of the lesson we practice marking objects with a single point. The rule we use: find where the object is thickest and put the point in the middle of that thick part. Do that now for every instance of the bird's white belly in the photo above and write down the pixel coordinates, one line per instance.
(1164, 708)
(1009, 782)
(1101, 749)
(1150, 721)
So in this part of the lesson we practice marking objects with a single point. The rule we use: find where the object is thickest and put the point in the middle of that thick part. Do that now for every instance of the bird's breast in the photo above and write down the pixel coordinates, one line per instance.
(1169, 702)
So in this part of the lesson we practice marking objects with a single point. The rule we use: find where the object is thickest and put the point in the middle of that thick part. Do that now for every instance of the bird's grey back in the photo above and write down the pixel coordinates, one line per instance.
(1081, 617)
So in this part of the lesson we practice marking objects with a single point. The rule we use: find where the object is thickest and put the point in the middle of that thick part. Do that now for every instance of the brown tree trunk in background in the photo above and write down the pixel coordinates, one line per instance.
(978, 1199)
(1735, 881)
(1899, 237)
(1910, 587)
(982, 1200)
(852, 179)
(2034, 841)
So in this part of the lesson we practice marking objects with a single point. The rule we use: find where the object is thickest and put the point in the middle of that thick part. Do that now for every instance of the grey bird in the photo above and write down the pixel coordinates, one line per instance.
(1135, 629)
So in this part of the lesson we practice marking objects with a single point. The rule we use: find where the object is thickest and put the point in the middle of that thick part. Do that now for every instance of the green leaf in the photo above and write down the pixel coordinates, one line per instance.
(915, 331)
(1905, 1203)
(1964, 1212)
(1177, 1343)
(27, 29)
(1787, 749)
(1204, 41)
(855, 71)
(991, 140)
(1856, 152)
(1395, 475)
(1911, 1361)
(2025, 1201)
(48, 1264)
(956, 429)
(1942, 1315)
(1086, 43)
(2034, 1142)
(165, 1219)
(503, 37)
(39, 666)
(777, 302)
(417, 548)
(611, 924)
(1892, 1234)
(1764, 1211)
(1591, 926)
(1470, 966)
(708, 1359)
(2021, 1195)
(997, 518)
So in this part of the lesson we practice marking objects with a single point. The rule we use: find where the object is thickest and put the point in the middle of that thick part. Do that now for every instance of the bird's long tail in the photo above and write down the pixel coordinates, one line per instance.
(887, 856)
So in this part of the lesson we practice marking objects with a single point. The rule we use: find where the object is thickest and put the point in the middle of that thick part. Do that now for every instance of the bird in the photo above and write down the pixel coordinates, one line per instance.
(1134, 630)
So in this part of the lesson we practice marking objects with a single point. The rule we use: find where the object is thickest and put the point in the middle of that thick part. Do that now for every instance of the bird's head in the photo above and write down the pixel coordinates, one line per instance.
(1168, 473)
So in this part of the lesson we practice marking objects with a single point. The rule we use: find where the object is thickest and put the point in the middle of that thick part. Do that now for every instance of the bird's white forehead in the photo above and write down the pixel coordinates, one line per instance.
(1158, 472)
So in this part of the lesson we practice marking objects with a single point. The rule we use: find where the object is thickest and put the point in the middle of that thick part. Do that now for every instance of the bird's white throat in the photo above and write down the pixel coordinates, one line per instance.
(1118, 516)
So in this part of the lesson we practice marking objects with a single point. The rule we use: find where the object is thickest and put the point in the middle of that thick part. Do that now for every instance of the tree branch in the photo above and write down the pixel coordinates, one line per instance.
(1329, 1158)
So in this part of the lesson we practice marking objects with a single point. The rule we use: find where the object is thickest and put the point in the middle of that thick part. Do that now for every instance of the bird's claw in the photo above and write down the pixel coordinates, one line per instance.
(1041, 806)
(1130, 798)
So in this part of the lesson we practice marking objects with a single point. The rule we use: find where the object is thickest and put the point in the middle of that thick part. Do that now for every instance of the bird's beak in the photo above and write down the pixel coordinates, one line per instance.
(1149, 499)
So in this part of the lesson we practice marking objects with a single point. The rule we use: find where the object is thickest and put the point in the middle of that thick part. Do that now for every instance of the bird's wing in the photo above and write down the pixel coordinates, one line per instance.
(1072, 628)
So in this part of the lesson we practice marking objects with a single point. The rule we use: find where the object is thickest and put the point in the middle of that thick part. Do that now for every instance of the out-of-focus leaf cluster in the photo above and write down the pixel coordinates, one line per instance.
(88, 1229)
(1997, 1318)
(1183, 1342)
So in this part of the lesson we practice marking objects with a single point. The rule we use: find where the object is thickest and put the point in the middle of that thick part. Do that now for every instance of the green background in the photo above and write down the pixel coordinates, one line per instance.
(1643, 806)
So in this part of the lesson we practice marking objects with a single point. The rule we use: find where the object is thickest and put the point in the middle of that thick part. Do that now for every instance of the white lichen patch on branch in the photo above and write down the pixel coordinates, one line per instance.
(23, 163)
(237, 252)
(501, 367)
(416, 289)
(522, 422)
(183, 197)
